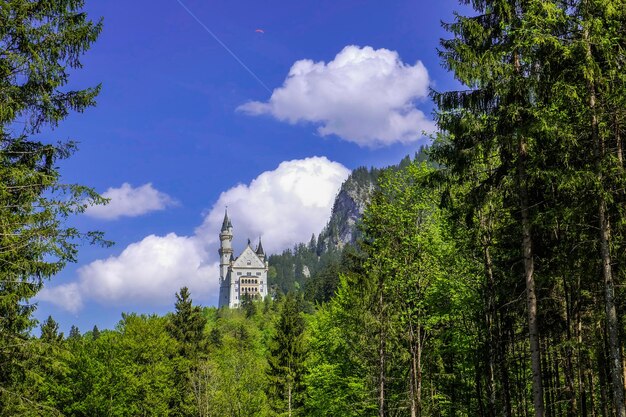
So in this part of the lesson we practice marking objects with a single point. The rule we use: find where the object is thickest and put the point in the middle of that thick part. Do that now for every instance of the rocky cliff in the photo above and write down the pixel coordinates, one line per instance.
(354, 195)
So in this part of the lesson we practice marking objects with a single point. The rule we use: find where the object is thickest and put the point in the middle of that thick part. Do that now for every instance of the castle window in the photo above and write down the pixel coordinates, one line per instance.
(238, 273)
(258, 273)
(249, 273)
(249, 262)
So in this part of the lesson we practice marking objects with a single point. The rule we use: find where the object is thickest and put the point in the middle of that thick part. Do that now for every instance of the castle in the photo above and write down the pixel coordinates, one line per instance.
(241, 276)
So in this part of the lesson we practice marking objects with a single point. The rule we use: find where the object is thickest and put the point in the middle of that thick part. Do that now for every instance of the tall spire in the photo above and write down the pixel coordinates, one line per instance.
(226, 224)
(259, 249)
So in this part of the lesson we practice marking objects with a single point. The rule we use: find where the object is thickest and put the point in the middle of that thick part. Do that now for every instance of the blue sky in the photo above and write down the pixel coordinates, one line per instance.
(182, 129)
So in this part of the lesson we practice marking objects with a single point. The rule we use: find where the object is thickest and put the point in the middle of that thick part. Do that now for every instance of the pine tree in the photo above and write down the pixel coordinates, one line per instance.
(50, 331)
(74, 333)
(501, 55)
(40, 44)
(186, 326)
(286, 360)
(95, 332)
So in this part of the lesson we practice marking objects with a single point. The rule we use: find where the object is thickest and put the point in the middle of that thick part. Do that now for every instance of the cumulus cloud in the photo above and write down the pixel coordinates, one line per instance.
(67, 296)
(130, 202)
(148, 272)
(365, 95)
(285, 206)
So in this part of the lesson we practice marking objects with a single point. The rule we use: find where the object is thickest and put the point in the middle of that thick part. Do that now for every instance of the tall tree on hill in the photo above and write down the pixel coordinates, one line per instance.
(286, 360)
(186, 326)
(40, 42)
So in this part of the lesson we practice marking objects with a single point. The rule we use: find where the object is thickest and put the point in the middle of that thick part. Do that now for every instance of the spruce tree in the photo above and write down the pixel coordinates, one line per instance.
(50, 331)
(41, 43)
(501, 55)
(286, 360)
(186, 326)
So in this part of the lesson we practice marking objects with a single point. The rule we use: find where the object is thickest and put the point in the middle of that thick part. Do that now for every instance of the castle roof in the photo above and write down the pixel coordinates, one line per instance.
(248, 259)
(226, 224)
(259, 249)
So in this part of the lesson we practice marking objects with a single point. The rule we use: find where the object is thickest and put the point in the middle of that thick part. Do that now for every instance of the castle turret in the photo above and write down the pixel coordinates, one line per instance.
(259, 250)
(226, 245)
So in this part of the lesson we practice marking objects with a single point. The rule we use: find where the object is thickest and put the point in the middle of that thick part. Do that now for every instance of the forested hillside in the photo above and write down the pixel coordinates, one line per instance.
(314, 266)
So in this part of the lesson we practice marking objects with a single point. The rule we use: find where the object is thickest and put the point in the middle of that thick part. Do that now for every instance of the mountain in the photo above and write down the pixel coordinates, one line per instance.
(354, 195)
(314, 267)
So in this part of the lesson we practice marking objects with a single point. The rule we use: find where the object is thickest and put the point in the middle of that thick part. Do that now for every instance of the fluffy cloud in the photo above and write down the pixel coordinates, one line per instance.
(67, 296)
(148, 272)
(364, 95)
(130, 202)
(285, 205)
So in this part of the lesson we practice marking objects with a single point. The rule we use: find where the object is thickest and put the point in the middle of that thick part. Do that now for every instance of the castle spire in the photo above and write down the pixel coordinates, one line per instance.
(259, 249)
(226, 223)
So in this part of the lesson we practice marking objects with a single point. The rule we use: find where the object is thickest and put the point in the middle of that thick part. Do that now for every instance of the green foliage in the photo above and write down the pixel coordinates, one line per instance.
(186, 326)
(286, 357)
(41, 42)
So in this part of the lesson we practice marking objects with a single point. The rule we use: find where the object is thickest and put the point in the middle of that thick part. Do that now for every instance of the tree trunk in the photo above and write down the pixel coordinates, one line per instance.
(618, 141)
(489, 320)
(419, 371)
(531, 296)
(381, 351)
(413, 377)
(529, 267)
(615, 360)
(289, 398)
(503, 370)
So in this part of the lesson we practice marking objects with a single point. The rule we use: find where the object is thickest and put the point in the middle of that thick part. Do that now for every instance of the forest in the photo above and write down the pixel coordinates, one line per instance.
(487, 281)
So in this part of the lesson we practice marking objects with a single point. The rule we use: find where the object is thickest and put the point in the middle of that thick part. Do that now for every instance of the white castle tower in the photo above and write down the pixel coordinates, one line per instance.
(243, 276)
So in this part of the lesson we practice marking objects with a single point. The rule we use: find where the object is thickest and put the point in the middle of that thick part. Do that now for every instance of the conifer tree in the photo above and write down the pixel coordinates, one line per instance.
(74, 333)
(186, 326)
(41, 42)
(50, 331)
(286, 360)
(500, 55)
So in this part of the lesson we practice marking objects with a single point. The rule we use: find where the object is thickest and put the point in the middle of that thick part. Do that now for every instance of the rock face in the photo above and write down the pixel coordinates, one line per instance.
(354, 195)
(306, 262)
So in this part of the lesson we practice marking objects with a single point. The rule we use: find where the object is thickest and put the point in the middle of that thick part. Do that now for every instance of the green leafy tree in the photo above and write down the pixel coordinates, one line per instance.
(248, 305)
(500, 55)
(231, 380)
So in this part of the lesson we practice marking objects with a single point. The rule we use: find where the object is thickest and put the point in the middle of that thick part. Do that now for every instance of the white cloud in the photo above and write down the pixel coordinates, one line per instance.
(285, 206)
(365, 96)
(148, 272)
(130, 202)
(67, 296)
(151, 270)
